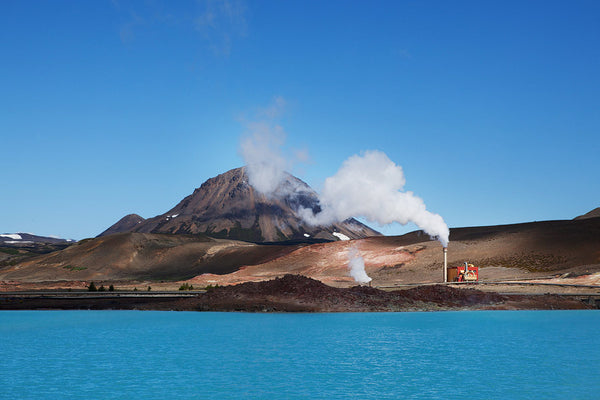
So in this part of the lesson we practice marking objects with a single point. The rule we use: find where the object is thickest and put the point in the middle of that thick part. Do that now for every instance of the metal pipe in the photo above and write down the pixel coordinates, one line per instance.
(445, 264)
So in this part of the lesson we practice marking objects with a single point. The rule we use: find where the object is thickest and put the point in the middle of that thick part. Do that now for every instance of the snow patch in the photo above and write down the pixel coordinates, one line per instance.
(174, 215)
(340, 236)
(306, 235)
(12, 236)
(18, 241)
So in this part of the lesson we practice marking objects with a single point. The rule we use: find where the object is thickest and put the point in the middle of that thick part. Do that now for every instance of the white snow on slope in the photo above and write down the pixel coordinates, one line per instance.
(340, 236)
(12, 236)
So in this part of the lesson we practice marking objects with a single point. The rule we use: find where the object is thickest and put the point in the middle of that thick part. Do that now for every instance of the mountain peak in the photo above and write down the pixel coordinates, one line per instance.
(227, 206)
(125, 224)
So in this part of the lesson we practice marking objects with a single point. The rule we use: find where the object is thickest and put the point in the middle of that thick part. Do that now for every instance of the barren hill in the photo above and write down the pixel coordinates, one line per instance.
(530, 250)
(518, 251)
(139, 256)
(227, 206)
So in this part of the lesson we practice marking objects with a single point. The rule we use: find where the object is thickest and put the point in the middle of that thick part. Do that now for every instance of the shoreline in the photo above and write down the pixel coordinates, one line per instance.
(515, 303)
(293, 293)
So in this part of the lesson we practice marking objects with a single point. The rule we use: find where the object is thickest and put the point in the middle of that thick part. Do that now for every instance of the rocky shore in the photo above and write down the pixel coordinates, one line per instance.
(294, 293)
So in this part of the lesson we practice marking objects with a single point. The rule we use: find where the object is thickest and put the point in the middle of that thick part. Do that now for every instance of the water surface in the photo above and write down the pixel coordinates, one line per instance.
(158, 355)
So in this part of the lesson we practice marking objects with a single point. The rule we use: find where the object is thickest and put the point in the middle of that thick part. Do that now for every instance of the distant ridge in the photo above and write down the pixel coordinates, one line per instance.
(228, 207)
(595, 213)
(21, 238)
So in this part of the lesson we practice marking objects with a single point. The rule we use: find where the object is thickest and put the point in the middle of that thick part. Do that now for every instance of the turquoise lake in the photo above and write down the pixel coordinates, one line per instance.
(187, 355)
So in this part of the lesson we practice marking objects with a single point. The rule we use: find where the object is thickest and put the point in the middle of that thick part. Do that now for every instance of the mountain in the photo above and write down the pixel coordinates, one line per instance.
(16, 247)
(127, 256)
(595, 213)
(125, 224)
(505, 252)
(24, 239)
(227, 206)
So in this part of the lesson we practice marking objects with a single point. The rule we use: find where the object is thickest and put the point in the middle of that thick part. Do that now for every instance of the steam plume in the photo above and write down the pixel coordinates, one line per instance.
(262, 153)
(370, 185)
(261, 148)
(356, 265)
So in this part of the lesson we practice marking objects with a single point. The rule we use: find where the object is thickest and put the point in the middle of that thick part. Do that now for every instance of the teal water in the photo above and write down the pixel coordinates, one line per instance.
(185, 355)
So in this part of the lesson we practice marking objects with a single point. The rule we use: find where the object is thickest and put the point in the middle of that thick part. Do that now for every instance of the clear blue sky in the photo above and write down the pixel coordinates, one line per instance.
(114, 107)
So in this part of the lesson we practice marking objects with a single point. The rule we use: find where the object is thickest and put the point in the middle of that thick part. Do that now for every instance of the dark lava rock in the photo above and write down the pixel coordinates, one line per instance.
(449, 296)
(305, 294)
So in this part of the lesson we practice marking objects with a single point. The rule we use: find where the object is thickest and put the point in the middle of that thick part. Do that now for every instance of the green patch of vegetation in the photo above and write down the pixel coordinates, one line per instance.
(12, 252)
(111, 288)
(185, 286)
(72, 268)
(211, 287)
(102, 288)
(92, 287)
(11, 262)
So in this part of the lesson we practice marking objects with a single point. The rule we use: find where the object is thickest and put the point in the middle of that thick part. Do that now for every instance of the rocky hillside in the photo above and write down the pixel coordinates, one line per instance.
(227, 206)
(569, 249)
(128, 256)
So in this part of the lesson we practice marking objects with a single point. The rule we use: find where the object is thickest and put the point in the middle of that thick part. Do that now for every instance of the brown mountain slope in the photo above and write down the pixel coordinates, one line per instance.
(226, 206)
(595, 213)
(138, 256)
(518, 251)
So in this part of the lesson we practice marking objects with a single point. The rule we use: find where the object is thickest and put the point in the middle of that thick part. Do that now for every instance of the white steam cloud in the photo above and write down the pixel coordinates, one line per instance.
(262, 154)
(356, 265)
(370, 186)
(261, 149)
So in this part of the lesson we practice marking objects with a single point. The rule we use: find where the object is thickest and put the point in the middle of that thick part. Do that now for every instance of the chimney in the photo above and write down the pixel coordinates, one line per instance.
(445, 264)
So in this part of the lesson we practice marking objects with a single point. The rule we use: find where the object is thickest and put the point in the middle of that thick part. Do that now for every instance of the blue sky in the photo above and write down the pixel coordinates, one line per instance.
(114, 107)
